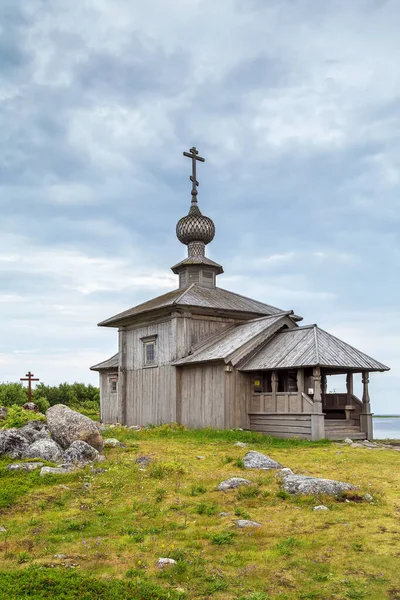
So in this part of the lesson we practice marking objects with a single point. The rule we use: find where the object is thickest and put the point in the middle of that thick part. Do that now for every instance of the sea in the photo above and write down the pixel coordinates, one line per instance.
(387, 427)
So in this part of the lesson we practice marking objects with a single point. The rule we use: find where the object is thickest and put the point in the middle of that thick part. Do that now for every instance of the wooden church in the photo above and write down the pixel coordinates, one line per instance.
(203, 356)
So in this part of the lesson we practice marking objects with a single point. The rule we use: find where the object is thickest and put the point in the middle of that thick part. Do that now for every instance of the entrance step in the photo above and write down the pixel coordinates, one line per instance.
(342, 435)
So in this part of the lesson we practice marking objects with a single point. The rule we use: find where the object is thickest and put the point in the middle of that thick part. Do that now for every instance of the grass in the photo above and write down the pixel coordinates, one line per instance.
(113, 531)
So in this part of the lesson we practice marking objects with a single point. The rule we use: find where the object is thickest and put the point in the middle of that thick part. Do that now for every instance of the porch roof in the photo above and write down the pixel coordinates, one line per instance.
(110, 363)
(310, 346)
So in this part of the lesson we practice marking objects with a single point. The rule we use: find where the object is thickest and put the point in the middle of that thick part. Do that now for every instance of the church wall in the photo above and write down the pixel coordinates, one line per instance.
(109, 407)
(238, 391)
(201, 397)
(202, 327)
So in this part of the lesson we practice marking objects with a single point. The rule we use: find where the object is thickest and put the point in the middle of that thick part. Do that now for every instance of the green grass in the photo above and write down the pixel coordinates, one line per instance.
(113, 531)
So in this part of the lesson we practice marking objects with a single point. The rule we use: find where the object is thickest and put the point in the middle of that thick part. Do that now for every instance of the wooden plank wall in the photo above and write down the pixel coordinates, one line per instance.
(109, 406)
(238, 391)
(202, 396)
(282, 425)
(204, 327)
(285, 402)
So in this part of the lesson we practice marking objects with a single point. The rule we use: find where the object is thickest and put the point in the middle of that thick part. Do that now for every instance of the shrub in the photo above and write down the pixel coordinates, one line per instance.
(17, 417)
(197, 490)
(222, 538)
(12, 393)
(248, 491)
(160, 469)
(42, 403)
(205, 508)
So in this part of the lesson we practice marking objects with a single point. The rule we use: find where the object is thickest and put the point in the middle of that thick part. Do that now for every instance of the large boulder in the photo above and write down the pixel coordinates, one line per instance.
(30, 406)
(256, 460)
(13, 443)
(47, 449)
(80, 452)
(34, 430)
(67, 426)
(302, 484)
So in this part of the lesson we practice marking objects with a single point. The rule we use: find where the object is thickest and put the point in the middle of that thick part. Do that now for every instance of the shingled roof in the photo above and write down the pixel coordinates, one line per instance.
(310, 346)
(198, 296)
(111, 363)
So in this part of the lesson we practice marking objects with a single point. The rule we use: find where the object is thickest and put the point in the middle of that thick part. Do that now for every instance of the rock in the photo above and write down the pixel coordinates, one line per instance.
(245, 523)
(3, 529)
(86, 485)
(143, 461)
(61, 470)
(320, 507)
(98, 471)
(30, 406)
(67, 426)
(348, 441)
(368, 498)
(224, 514)
(102, 427)
(356, 445)
(165, 562)
(60, 556)
(282, 473)
(13, 443)
(3, 412)
(135, 428)
(200, 457)
(112, 443)
(240, 444)
(80, 452)
(256, 460)
(28, 466)
(232, 483)
(47, 449)
(35, 430)
(369, 444)
(302, 484)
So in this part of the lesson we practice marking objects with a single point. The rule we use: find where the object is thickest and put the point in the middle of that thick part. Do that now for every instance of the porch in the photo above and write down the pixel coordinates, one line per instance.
(296, 403)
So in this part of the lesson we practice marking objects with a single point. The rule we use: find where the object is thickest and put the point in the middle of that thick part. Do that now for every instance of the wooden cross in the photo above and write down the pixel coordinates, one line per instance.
(193, 155)
(29, 377)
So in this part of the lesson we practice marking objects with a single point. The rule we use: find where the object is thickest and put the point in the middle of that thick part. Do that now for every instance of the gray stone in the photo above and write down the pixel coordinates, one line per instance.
(30, 406)
(80, 452)
(356, 445)
(135, 428)
(368, 497)
(320, 507)
(102, 427)
(143, 461)
(60, 556)
(301, 484)
(98, 471)
(245, 523)
(165, 562)
(112, 443)
(232, 483)
(47, 449)
(3, 412)
(3, 529)
(282, 473)
(28, 466)
(348, 441)
(13, 443)
(67, 426)
(200, 457)
(224, 514)
(61, 470)
(256, 460)
(35, 430)
(240, 444)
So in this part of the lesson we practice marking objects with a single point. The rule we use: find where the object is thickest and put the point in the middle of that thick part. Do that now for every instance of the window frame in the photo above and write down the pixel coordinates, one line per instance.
(149, 341)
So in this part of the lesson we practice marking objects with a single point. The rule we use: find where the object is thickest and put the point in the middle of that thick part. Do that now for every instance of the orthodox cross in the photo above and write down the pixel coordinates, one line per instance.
(193, 154)
(29, 377)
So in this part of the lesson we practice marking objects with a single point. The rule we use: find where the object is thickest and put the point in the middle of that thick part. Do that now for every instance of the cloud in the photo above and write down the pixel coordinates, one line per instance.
(295, 107)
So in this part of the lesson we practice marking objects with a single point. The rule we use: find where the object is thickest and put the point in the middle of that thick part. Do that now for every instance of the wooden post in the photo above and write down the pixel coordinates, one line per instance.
(349, 387)
(300, 388)
(366, 415)
(317, 419)
(122, 376)
(274, 387)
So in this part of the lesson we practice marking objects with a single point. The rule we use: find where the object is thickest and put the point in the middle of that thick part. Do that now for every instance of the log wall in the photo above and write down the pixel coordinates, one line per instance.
(282, 425)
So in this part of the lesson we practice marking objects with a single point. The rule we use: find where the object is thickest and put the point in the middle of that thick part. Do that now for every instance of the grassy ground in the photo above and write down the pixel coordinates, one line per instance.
(113, 526)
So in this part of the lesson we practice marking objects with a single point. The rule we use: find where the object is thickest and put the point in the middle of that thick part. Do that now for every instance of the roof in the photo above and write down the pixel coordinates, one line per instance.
(111, 363)
(197, 260)
(227, 342)
(307, 347)
(197, 296)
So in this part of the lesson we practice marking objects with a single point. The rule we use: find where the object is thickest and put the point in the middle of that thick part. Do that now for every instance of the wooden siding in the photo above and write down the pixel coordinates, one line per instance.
(238, 391)
(202, 393)
(151, 395)
(284, 402)
(282, 425)
(110, 409)
(202, 328)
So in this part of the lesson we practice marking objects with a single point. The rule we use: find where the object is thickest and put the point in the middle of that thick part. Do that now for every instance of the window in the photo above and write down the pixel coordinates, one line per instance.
(113, 386)
(149, 351)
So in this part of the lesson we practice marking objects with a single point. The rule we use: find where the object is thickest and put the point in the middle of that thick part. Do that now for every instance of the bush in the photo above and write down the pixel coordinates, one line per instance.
(12, 393)
(18, 417)
(42, 403)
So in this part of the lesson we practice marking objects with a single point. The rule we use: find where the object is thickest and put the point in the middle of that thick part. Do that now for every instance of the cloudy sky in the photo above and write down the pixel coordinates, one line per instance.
(294, 104)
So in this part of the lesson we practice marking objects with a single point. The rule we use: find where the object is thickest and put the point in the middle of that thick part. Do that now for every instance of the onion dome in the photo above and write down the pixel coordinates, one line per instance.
(195, 227)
